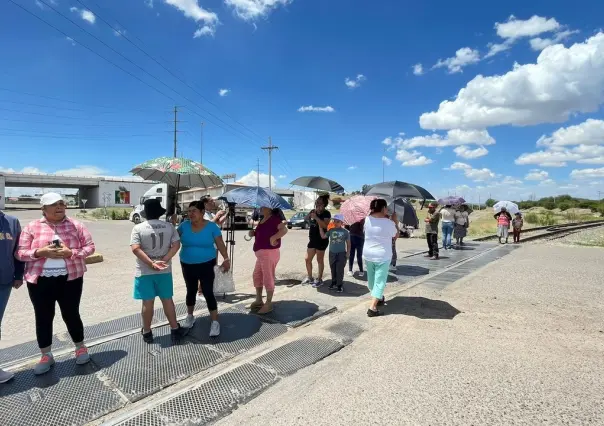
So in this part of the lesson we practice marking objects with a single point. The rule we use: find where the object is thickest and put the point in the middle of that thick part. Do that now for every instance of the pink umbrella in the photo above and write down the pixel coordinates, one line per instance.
(356, 208)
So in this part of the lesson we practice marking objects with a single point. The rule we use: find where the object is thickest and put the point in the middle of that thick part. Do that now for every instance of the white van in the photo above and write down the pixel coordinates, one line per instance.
(159, 192)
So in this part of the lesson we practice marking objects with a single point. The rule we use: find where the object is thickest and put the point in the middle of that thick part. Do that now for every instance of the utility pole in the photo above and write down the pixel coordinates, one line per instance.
(270, 149)
(201, 145)
(258, 172)
(175, 127)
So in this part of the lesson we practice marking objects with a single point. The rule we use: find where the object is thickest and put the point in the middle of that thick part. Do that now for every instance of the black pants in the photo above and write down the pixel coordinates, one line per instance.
(432, 244)
(356, 248)
(337, 263)
(394, 255)
(195, 273)
(45, 295)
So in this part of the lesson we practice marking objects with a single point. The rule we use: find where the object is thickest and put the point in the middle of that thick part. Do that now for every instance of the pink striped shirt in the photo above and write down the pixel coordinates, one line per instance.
(40, 233)
(503, 219)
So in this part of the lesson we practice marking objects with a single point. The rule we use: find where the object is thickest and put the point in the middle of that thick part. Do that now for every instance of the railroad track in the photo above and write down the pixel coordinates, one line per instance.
(550, 232)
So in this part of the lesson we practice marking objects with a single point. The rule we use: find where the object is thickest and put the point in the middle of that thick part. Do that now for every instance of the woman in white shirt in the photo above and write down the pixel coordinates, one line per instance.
(377, 252)
(447, 216)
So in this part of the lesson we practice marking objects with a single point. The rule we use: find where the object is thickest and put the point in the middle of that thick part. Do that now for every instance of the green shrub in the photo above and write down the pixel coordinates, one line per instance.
(547, 219)
(113, 215)
(531, 218)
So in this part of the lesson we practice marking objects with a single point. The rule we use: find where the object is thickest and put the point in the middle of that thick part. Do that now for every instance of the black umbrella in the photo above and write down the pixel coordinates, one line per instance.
(318, 182)
(404, 211)
(397, 189)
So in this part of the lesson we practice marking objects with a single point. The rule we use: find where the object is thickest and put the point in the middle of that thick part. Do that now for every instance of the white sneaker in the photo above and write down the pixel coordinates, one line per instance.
(5, 376)
(215, 329)
(363, 274)
(393, 269)
(350, 274)
(200, 297)
(188, 322)
(307, 281)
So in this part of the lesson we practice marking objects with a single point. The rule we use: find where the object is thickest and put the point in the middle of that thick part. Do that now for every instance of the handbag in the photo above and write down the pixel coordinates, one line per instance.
(223, 281)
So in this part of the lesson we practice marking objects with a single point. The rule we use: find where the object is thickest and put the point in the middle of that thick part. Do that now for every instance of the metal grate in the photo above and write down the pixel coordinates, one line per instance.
(146, 418)
(67, 395)
(140, 369)
(27, 350)
(215, 398)
(298, 354)
(239, 331)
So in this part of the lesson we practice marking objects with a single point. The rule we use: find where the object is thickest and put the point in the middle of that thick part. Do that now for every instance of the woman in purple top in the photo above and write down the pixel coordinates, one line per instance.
(268, 236)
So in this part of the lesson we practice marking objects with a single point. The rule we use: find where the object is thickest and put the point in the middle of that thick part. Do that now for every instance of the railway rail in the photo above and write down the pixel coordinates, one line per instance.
(550, 232)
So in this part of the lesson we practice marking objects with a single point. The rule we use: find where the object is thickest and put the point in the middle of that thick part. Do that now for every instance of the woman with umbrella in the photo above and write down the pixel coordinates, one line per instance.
(319, 217)
(503, 224)
(267, 243)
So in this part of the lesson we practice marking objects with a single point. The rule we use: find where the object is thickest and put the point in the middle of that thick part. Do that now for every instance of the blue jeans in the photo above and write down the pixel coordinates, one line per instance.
(447, 234)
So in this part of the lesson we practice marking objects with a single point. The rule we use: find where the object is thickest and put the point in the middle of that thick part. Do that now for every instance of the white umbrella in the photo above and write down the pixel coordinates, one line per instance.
(512, 208)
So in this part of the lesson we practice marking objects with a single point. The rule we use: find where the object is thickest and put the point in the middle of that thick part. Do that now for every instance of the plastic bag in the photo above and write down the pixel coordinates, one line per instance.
(223, 281)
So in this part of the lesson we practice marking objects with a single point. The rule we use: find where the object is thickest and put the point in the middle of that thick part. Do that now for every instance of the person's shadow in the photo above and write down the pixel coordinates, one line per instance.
(350, 289)
(420, 307)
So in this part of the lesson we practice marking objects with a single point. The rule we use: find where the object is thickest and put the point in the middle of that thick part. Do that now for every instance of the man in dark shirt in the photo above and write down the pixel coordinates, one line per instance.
(319, 217)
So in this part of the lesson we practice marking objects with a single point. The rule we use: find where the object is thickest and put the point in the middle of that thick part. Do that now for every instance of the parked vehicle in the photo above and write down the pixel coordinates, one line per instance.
(298, 221)
(161, 192)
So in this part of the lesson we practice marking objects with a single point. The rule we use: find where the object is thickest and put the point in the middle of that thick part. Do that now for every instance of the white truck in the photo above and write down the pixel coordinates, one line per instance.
(161, 192)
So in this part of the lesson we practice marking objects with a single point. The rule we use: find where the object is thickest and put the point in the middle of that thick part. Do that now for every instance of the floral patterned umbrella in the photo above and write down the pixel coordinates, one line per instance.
(177, 172)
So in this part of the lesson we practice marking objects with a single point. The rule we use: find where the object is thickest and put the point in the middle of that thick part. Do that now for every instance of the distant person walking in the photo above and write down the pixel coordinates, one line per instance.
(199, 239)
(11, 269)
(319, 217)
(377, 253)
(54, 250)
(462, 223)
(154, 243)
(357, 241)
(517, 225)
(339, 251)
(447, 215)
(431, 221)
(503, 224)
(394, 259)
(268, 234)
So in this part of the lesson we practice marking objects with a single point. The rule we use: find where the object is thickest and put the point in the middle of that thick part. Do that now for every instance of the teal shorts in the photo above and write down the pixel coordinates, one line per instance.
(148, 287)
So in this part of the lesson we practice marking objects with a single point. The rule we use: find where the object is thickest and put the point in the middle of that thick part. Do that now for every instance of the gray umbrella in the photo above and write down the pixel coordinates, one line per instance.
(397, 189)
(318, 182)
(404, 211)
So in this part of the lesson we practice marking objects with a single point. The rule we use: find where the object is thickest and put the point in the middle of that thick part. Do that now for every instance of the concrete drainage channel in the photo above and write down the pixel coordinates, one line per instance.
(132, 383)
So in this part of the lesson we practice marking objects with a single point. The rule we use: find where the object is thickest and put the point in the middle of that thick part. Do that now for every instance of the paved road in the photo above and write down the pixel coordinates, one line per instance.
(108, 285)
(527, 348)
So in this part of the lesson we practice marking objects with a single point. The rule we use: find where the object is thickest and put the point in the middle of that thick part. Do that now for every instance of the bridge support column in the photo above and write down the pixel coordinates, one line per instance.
(2, 193)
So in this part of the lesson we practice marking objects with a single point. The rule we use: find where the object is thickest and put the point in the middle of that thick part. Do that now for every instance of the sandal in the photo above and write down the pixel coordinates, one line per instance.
(255, 306)
(263, 311)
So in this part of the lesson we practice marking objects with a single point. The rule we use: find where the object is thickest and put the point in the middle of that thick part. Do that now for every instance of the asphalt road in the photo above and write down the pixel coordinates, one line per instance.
(108, 285)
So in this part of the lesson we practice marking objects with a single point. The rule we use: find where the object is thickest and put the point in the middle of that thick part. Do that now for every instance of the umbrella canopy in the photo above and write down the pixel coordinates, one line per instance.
(451, 201)
(255, 197)
(404, 211)
(397, 189)
(177, 172)
(356, 208)
(512, 208)
(318, 182)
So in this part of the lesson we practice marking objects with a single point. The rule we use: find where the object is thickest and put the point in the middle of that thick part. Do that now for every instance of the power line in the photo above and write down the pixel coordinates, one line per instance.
(124, 36)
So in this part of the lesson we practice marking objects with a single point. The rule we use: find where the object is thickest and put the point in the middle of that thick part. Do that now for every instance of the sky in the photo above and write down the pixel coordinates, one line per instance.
(477, 99)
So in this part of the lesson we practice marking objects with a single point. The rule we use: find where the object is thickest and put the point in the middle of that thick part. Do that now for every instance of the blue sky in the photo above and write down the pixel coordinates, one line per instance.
(65, 109)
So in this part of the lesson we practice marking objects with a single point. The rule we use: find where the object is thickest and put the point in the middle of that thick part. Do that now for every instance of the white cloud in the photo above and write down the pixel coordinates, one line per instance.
(70, 40)
(252, 179)
(463, 57)
(587, 173)
(86, 15)
(590, 132)
(352, 168)
(477, 175)
(387, 161)
(539, 43)
(311, 108)
(149, 3)
(562, 82)
(40, 5)
(547, 158)
(464, 152)
(412, 158)
(509, 180)
(356, 82)
(547, 182)
(75, 171)
(282, 176)
(495, 48)
(418, 69)
(251, 10)
(388, 141)
(517, 28)
(119, 32)
(453, 137)
(536, 174)
(191, 9)
(224, 92)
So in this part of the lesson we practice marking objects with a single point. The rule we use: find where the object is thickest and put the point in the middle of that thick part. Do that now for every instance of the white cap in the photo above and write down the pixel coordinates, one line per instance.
(50, 198)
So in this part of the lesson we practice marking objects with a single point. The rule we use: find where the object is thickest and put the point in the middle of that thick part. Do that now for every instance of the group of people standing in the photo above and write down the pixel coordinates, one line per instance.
(454, 225)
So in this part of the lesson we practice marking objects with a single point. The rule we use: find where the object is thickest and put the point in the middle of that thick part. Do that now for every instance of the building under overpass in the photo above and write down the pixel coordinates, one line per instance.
(97, 190)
